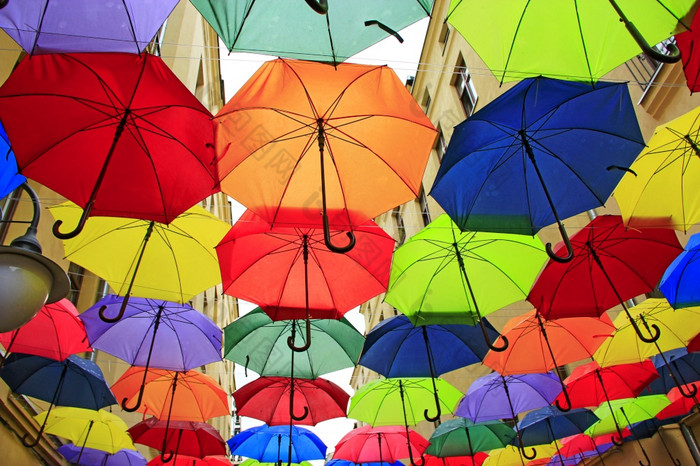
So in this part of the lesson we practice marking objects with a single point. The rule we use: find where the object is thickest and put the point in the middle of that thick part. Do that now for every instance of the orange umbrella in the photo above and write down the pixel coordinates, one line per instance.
(313, 138)
(539, 345)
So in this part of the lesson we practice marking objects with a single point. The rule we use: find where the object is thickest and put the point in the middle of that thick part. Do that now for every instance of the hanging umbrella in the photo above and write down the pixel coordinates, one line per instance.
(460, 437)
(75, 382)
(495, 396)
(184, 460)
(91, 456)
(269, 444)
(542, 345)
(548, 424)
(56, 26)
(99, 430)
(256, 342)
(271, 400)
(475, 460)
(118, 134)
(55, 332)
(396, 348)
(350, 463)
(387, 444)
(289, 271)
(539, 153)
(145, 258)
(680, 404)
(676, 368)
(648, 428)
(329, 31)
(656, 193)
(353, 120)
(607, 270)
(582, 444)
(9, 178)
(679, 282)
(387, 402)
(686, 42)
(584, 41)
(444, 276)
(183, 438)
(510, 456)
(175, 329)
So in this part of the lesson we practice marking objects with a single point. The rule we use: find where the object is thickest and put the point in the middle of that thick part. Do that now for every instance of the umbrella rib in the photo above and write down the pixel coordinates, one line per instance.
(161, 232)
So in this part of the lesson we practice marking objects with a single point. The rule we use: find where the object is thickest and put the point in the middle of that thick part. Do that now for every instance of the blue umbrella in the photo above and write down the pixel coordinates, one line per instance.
(91, 456)
(74, 382)
(543, 151)
(396, 348)
(679, 283)
(9, 177)
(336, 462)
(271, 444)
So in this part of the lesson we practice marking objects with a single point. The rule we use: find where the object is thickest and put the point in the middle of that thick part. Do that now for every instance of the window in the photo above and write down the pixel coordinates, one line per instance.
(645, 68)
(426, 101)
(440, 144)
(75, 274)
(465, 87)
(424, 211)
(444, 36)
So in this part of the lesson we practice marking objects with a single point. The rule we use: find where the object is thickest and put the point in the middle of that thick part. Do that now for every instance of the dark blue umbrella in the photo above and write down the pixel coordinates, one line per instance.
(541, 152)
(271, 444)
(74, 382)
(91, 456)
(676, 368)
(648, 428)
(680, 281)
(545, 425)
(9, 177)
(396, 348)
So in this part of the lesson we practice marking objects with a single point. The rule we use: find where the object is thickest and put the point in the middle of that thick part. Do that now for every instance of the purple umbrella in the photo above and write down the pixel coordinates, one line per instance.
(185, 337)
(62, 26)
(90, 456)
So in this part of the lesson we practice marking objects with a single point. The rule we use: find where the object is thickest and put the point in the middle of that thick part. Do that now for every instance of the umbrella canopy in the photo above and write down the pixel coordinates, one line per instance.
(688, 46)
(352, 120)
(186, 438)
(184, 460)
(548, 424)
(338, 32)
(680, 403)
(404, 401)
(679, 282)
(657, 194)
(315, 281)
(100, 430)
(460, 437)
(675, 367)
(270, 444)
(55, 332)
(59, 26)
(91, 456)
(9, 178)
(178, 396)
(444, 276)
(626, 411)
(387, 444)
(148, 259)
(350, 463)
(397, 348)
(590, 385)
(539, 153)
(585, 41)
(185, 338)
(511, 456)
(582, 443)
(118, 134)
(256, 342)
(475, 460)
(495, 396)
(270, 399)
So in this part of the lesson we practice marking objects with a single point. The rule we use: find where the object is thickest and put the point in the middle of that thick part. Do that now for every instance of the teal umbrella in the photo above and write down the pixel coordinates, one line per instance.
(462, 437)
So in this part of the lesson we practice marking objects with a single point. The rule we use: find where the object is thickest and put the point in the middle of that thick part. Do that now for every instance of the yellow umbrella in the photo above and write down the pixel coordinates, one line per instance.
(510, 455)
(678, 327)
(88, 428)
(662, 191)
(148, 259)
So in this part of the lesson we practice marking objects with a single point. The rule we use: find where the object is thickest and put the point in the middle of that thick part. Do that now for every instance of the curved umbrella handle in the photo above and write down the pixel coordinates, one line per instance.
(567, 242)
(384, 27)
(35, 442)
(305, 346)
(617, 439)
(691, 392)
(493, 347)
(522, 452)
(439, 410)
(120, 314)
(674, 56)
(410, 453)
(654, 334)
(319, 6)
(644, 452)
(3, 3)
(566, 397)
(167, 457)
(327, 238)
(78, 228)
(299, 418)
(140, 397)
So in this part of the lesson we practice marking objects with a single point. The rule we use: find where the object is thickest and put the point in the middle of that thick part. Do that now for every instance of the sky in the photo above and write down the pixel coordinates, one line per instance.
(236, 69)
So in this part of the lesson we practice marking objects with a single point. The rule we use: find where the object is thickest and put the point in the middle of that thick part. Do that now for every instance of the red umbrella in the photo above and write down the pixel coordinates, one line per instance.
(269, 399)
(694, 344)
(380, 444)
(183, 460)
(690, 54)
(186, 438)
(55, 332)
(476, 460)
(611, 264)
(289, 271)
(680, 404)
(116, 133)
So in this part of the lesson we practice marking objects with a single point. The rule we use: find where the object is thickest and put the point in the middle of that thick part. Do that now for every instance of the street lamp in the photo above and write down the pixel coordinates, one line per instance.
(28, 280)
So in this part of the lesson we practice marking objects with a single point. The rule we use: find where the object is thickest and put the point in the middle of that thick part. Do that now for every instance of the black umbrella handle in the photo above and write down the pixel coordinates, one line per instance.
(674, 56)
(305, 346)
(78, 228)
(319, 6)
(522, 450)
(564, 392)
(3, 3)
(385, 28)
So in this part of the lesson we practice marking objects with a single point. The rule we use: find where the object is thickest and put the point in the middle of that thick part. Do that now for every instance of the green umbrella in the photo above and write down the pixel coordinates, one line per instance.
(260, 344)
(387, 402)
(462, 437)
(444, 276)
(572, 40)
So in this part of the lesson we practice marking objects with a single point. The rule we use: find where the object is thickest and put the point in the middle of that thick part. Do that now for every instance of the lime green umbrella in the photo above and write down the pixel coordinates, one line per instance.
(254, 462)
(258, 343)
(444, 276)
(387, 402)
(574, 40)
